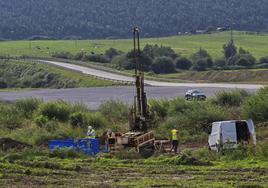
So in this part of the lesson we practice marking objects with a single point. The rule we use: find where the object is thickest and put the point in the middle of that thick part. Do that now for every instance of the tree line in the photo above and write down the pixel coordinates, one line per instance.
(163, 60)
(37, 19)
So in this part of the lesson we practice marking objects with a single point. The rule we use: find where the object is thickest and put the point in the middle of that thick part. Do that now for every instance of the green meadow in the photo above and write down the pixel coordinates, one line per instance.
(184, 45)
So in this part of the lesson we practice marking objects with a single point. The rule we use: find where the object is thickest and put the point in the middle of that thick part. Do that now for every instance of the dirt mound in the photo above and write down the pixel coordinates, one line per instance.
(8, 143)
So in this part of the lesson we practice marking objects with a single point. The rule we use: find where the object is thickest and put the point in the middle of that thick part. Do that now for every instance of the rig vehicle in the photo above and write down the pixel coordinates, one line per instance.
(138, 136)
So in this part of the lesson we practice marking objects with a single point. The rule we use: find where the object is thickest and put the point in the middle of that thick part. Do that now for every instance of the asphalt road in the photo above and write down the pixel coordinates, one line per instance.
(93, 97)
(113, 76)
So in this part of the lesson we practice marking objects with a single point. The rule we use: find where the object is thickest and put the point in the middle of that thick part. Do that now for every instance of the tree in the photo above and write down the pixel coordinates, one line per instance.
(220, 63)
(245, 60)
(229, 50)
(200, 65)
(163, 65)
(154, 51)
(111, 53)
(183, 63)
(200, 54)
(264, 60)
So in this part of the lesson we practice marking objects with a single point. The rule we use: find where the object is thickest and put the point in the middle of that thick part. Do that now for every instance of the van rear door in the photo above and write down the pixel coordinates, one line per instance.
(251, 129)
(228, 131)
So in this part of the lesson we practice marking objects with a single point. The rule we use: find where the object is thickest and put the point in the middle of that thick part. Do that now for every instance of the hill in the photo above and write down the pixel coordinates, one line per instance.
(21, 19)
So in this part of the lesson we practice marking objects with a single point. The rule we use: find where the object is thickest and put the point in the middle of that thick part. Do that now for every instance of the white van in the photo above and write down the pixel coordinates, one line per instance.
(227, 134)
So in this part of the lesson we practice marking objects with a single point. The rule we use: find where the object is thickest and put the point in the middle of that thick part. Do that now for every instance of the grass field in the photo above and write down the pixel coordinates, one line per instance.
(185, 45)
(41, 169)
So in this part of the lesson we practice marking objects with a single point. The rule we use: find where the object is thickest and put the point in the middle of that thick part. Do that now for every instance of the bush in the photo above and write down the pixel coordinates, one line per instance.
(220, 63)
(9, 117)
(41, 121)
(55, 110)
(159, 107)
(3, 84)
(84, 119)
(111, 53)
(79, 56)
(200, 54)
(183, 63)
(163, 65)
(154, 51)
(231, 98)
(63, 55)
(114, 111)
(78, 119)
(97, 120)
(264, 60)
(178, 105)
(256, 107)
(95, 58)
(200, 65)
(27, 107)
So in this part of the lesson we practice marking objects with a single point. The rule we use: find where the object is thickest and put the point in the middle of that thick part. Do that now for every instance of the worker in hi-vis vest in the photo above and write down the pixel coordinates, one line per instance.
(175, 140)
(91, 133)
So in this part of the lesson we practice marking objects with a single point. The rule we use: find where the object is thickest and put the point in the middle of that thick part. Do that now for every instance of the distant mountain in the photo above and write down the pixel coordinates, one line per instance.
(21, 19)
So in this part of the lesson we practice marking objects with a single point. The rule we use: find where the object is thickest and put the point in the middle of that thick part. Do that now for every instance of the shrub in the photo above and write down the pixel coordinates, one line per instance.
(41, 120)
(200, 54)
(63, 55)
(245, 60)
(154, 51)
(84, 119)
(178, 105)
(55, 110)
(27, 107)
(95, 58)
(256, 107)
(264, 60)
(200, 65)
(3, 84)
(183, 63)
(79, 56)
(97, 120)
(231, 98)
(163, 65)
(220, 63)
(9, 117)
(111, 53)
(78, 119)
(159, 107)
(262, 150)
(114, 111)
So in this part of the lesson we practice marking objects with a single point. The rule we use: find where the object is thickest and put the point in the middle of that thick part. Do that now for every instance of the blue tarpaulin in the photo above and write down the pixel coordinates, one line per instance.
(87, 146)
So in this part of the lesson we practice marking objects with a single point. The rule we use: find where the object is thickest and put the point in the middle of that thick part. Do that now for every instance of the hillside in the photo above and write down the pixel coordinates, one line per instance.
(183, 45)
(21, 19)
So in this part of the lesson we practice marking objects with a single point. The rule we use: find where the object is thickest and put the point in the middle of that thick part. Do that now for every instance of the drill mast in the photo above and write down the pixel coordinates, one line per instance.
(139, 112)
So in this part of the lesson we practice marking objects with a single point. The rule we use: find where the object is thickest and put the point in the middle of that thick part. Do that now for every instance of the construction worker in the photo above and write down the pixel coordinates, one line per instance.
(91, 134)
(110, 142)
(175, 140)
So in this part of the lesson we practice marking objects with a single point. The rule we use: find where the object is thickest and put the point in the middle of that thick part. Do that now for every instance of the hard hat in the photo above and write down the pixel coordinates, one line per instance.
(89, 127)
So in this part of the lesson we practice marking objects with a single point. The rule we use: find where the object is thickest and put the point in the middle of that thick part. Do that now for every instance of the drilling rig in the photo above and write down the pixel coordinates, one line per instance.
(139, 113)
(138, 136)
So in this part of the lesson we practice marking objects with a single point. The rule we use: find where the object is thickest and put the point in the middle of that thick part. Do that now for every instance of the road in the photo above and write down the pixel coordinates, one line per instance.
(93, 97)
(113, 76)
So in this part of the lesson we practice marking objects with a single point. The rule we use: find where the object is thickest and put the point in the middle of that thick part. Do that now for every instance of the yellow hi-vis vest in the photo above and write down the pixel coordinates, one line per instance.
(174, 135)
(91, 134)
